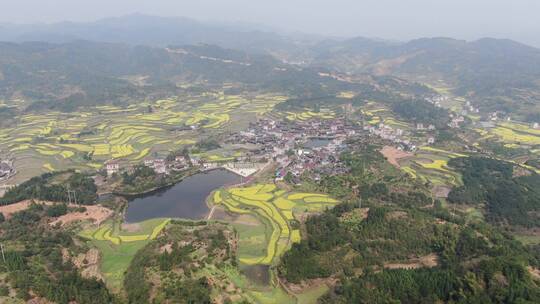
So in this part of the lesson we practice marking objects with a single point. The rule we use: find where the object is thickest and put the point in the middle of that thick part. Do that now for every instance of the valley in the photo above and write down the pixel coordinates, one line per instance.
(281, 170)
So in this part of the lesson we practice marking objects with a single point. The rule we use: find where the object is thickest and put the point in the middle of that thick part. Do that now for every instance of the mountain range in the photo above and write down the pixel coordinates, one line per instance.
(494, 74)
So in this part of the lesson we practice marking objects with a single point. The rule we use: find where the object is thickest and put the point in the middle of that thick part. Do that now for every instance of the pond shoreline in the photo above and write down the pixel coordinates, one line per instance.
(133, 195)
(184, 199)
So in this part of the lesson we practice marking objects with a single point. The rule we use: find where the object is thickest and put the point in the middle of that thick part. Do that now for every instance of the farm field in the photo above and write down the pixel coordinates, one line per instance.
(307, 114)
(278, 211)
(86, 139)
(431, 165)
(512, 134)
(117, 248)
(375, 113)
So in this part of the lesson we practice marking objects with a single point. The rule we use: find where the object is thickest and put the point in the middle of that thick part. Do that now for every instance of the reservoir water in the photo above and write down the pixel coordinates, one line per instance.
(317, 142)
(183, 200)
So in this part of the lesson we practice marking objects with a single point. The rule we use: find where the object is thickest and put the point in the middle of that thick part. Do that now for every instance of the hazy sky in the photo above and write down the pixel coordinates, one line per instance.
(390, 19)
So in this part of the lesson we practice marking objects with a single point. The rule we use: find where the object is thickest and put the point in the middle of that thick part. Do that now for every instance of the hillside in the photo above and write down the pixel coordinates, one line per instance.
(139, 29)
(497, 75)
(83, 73)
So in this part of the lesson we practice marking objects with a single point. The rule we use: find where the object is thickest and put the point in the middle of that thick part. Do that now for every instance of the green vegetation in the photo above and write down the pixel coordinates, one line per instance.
(509, 199)
(277, 210)
(403, 247)
(38, 261)
(144, 179)
(118, 248)
(53, 187)
(420, 111)
(188, 264)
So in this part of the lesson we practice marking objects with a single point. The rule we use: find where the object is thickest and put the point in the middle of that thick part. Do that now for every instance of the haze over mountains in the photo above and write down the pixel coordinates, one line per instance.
(499, 75)
(149, 30)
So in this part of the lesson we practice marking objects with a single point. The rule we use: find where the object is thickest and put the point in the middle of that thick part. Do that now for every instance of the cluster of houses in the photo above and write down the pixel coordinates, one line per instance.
(296, 147)
(469, 108)
(456, 121)
(397, 136)
(160, 165)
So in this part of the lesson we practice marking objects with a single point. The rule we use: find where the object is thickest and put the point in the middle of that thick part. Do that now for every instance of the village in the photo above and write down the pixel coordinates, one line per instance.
(288, 148)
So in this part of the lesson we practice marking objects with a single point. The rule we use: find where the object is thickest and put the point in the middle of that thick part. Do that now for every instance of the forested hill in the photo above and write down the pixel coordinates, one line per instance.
(69, 76)
(455, 59)
(496, 74)
(404, 247)
(85, 73)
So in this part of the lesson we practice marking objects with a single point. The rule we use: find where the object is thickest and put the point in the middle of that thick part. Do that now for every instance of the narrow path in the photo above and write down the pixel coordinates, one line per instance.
(209, 217)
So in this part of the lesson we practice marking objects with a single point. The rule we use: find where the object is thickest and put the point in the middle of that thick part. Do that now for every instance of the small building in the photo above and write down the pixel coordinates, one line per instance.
(159, 166)
(431, 140)
(112, 167)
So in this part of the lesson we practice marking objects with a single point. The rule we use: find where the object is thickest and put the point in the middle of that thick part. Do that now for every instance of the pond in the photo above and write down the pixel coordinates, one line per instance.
(317, 142)
(187, 199)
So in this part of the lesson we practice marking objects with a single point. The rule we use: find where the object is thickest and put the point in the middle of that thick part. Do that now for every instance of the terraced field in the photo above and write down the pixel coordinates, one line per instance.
(277, 209)
(431, 165)
(87, 139)
(512, 134)
(117, 248)
(374, 114)
(309, 114)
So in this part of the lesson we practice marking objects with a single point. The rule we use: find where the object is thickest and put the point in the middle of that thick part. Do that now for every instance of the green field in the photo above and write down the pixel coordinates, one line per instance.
(117, 248)
(88, 138)
(277, 210)
(431, 165)
(375, 113)
(309, 114)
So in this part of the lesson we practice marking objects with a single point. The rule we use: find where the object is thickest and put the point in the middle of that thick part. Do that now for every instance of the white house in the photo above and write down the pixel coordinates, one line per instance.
(112, 167)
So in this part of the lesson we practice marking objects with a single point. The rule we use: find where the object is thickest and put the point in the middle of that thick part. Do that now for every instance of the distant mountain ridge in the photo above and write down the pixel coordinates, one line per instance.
(70, 75)
(495, 74)
(138, 29)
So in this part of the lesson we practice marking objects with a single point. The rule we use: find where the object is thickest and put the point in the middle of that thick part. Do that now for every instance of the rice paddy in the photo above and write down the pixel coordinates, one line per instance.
(277, 209)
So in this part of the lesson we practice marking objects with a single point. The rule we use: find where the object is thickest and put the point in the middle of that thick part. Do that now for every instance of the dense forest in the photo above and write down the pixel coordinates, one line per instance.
(78, 74)
(509, 199)
(421, 111)
(403, 247)
(54, 187)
